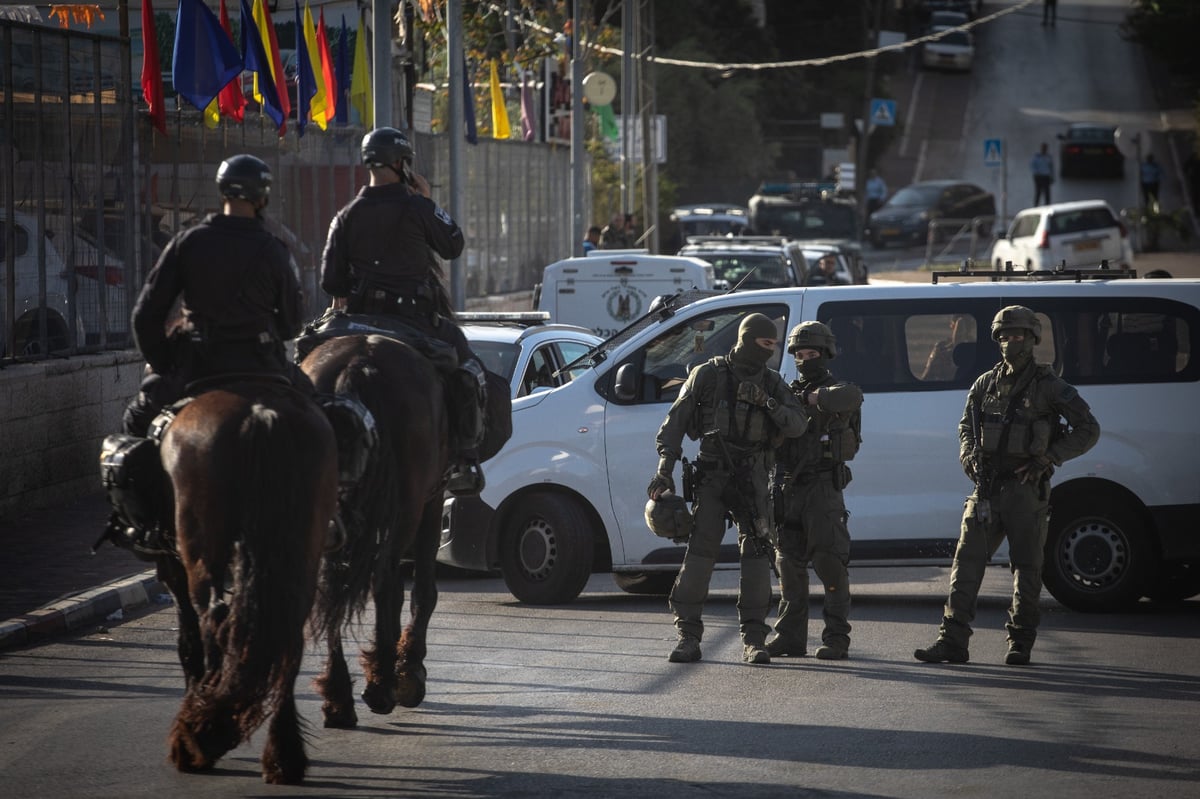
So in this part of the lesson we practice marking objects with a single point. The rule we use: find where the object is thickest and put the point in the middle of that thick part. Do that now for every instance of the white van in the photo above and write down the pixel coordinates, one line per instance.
(1082, 234)
(608, 289)
(565, 496)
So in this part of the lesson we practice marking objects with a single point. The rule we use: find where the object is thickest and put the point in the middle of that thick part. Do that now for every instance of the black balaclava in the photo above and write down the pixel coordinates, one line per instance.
(1017, 353)
(748, 354)
(815, 367)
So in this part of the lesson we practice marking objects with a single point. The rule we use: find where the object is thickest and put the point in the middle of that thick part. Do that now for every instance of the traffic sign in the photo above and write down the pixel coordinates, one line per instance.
(993, 152)
(883, 112)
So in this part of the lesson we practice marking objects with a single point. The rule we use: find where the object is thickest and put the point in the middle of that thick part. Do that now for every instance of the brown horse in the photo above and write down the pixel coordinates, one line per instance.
(392, 515)
(253, 468)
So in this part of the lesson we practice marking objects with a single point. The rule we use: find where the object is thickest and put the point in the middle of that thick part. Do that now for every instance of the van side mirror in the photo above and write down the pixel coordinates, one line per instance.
(626, 387)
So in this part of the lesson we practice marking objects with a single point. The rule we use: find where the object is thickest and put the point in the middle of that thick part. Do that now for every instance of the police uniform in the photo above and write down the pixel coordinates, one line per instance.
(241, 302)
(1010, 440)
(810, 474)
(752, 408)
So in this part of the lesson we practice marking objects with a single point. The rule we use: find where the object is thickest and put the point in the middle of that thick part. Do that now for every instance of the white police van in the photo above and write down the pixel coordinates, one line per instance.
(565, 496)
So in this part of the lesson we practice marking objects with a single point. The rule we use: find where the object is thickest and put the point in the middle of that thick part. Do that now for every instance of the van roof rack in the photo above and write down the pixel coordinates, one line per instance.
(525, 318)
(1061, 272)
(731, 239)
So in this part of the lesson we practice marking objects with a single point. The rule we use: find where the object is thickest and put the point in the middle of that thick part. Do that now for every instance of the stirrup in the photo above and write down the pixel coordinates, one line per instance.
(466, 480)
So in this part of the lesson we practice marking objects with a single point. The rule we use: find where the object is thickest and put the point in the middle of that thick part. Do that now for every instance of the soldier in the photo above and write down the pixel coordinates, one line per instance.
(741, 408)
(810, 474)
(1010, 441)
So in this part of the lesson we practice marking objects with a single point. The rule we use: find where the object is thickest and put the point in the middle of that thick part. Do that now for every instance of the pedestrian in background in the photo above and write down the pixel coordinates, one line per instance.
(1042, 167)
(619, 234)
(877, 192)
(1010, 440)
(1049, 15)
(592, 240)
(740, 407)
(1151, 174)
(810, 475)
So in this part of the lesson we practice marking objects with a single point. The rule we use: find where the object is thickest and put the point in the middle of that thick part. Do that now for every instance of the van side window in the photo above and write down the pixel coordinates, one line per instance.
(941, 347)
(669, 358)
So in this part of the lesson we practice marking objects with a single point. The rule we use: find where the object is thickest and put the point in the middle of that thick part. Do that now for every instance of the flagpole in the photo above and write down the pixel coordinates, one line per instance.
(458, 294)
(577, 151)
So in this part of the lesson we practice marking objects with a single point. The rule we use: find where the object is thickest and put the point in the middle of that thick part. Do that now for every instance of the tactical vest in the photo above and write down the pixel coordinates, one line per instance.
(831, 439)
(1019, 424)
(742, 425)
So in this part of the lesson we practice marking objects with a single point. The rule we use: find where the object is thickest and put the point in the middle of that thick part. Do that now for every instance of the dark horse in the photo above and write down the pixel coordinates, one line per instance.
(253, 468)
(392, 515)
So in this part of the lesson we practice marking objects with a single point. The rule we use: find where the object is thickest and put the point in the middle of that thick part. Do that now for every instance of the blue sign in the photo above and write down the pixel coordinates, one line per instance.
(883, 112)
(993, 152)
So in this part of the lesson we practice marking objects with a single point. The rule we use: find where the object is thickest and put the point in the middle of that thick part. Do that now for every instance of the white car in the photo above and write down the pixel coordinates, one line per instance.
(526, 350)
(1081, 235)
(954, 50)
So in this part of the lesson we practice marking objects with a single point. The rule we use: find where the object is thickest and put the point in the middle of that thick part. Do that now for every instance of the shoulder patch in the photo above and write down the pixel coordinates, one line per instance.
(442, 216)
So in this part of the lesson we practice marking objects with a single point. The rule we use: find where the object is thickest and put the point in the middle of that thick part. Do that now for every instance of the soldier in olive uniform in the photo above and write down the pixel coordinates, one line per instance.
(1010, 441)
(810, 473)
(742, 409)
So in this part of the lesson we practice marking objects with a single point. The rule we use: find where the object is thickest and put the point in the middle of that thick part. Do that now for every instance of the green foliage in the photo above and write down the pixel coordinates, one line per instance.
(1168, 29)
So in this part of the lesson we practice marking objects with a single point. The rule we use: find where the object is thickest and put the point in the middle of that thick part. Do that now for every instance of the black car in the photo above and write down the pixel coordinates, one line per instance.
(1090, 150)
(906, 215)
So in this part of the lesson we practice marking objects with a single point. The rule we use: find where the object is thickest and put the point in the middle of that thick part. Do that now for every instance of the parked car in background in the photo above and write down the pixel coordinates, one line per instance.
(1089, 150)
(1081, 234)
(954, 50)
(749, 262)
(946, 19)
(525, 348)
(905, 217)
(707, 219)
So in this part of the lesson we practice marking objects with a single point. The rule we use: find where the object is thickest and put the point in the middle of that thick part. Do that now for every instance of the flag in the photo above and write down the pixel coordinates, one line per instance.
(468, 108)
(266, 32)
(528, 114)
(231, 102)
(306, 83)
(152, 85)
(608, 122)
(343, 77)
(327, 68)
(320, 98)
(500, 127)
(254, 54)
(360, 81)
(204, 60)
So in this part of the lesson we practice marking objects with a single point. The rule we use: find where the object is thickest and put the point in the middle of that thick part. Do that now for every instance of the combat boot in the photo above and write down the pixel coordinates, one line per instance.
(1018, 654)
(686, 651)
(943, 651)
(832, 652)
(780, 647)
(755, 653)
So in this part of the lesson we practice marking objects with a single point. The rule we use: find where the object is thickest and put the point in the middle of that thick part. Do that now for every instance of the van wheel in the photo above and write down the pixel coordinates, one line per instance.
(1098, 555)
(645, 583)
(546, 549)
(27, 333)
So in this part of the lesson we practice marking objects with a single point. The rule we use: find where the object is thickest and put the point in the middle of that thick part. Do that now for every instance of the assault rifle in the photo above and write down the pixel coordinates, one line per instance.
(743, 510)
(983, 476)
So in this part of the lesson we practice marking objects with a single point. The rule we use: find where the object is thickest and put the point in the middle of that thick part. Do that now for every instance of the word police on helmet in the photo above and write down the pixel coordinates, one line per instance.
(385, 147)
(244, 177)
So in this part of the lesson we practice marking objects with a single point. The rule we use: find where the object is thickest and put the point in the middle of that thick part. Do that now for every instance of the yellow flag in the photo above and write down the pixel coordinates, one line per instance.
(360, 81)
(212, 115)
(318, 104)
(500, 128)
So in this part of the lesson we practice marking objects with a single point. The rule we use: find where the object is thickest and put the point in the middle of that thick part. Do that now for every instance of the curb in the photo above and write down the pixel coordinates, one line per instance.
(81, 609)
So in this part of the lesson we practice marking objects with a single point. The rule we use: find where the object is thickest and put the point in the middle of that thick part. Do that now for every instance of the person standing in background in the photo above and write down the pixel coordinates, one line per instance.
(1042, 167)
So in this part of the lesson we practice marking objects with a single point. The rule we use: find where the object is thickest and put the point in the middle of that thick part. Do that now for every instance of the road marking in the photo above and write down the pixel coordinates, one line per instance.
(920, 167)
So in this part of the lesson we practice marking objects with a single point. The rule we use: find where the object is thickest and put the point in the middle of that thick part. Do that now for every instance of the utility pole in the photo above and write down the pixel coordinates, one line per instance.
(381, 50)
(578, 154)
(864, 137)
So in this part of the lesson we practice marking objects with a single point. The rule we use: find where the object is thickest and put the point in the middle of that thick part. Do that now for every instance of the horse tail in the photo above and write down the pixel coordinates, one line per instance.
(275, 567)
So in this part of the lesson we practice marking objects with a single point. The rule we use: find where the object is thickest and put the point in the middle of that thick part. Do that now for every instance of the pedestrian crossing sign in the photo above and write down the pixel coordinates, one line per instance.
(993, 152)
(883, 112)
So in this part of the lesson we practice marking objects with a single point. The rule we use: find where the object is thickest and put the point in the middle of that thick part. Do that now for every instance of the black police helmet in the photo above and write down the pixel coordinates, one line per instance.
(244, 177)
(385, 147)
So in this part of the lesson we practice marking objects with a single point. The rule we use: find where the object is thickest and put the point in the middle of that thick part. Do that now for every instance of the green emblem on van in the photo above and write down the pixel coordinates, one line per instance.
(624, 303)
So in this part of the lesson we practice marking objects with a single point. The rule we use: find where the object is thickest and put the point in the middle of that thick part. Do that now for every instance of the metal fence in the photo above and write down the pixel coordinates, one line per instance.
(92, 192)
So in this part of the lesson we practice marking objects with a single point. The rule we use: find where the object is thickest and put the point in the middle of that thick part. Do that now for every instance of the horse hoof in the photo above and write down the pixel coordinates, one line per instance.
(341, 719)
(276, 775)
(379, 699)
(410, 690)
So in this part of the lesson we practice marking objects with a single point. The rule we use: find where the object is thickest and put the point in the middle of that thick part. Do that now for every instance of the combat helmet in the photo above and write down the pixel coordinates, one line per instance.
(669, 517)
(1017, 316)
(244, 177)
(386, 146)
(812, 336)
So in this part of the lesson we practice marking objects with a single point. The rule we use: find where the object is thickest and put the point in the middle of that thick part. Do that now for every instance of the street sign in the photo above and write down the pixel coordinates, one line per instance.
(883, 112)
(993, 152)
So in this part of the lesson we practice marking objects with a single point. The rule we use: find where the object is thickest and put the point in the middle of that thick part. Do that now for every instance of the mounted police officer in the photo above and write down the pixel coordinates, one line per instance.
(380, 259)
(810, 474)
(741, 409)
(241, 299)
(1010, 441)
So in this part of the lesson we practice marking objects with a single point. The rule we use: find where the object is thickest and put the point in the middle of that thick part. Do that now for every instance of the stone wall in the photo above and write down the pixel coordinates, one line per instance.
(53, 416)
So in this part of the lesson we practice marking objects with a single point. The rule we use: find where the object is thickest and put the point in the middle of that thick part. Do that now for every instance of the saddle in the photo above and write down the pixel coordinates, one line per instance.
(339, 323)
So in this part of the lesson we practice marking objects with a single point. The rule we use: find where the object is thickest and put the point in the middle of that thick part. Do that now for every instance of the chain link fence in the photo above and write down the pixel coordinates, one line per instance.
(92, 192)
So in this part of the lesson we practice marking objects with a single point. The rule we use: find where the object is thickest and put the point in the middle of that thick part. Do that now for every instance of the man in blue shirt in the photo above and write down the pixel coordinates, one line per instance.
(1042, 167)
(1151, 175)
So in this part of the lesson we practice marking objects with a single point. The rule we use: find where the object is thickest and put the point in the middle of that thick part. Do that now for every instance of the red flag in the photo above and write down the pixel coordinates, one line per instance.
(231, 101)
(152, 84)
(331, 87)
